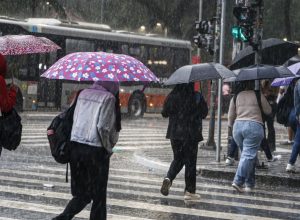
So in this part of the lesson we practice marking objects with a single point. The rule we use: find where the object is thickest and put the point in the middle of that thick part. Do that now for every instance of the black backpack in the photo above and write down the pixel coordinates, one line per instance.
(284, 108)
(10, 130)
(59, 134)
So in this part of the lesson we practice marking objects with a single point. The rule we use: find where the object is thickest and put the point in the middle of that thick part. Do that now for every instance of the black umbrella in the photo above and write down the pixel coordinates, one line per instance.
(293, 60)
(274, 52)
(255, 72)
(198, 72)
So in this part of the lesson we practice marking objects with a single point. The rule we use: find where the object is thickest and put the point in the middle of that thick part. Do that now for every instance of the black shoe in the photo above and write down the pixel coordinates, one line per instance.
(165, 186)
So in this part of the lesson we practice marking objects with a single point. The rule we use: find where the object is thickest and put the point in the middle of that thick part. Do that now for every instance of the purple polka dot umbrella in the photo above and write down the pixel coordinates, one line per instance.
(26, 44)
(100, 66)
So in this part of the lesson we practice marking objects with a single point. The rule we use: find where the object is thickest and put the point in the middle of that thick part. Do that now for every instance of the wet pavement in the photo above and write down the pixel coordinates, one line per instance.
(32, 185)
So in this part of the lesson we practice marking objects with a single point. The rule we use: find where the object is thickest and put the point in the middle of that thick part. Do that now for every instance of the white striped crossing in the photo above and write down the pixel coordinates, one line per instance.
(133, 191)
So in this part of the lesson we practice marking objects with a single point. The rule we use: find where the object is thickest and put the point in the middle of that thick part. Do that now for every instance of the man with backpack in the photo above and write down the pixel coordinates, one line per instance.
(96, 124)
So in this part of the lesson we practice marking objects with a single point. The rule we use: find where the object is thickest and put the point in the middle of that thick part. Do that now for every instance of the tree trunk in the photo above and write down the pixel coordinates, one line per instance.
(287, 21)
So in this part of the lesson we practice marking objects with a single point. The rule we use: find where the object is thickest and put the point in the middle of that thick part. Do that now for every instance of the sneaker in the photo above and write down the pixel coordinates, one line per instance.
(229, 161)
(238, 188)
(249, 189)
(290, 168)
(191, 196)
(275, 158)
(288, 142)
(165, 186)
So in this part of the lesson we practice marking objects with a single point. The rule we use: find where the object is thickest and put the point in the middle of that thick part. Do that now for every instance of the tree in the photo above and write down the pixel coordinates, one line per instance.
(287, 22)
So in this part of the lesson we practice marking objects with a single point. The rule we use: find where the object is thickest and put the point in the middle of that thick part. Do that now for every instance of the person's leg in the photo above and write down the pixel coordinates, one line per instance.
(251, 143)
(265, 146)
(271, 134)
(232, 149)
(296, 147)
(99, 176)
(78, 183)
(252, 134)
(177, 163)
(190, 162)
(175, 166)
(238, 138)
(290, 134)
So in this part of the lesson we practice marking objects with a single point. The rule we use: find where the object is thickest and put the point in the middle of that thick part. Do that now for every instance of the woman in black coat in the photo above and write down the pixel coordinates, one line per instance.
(185, 109)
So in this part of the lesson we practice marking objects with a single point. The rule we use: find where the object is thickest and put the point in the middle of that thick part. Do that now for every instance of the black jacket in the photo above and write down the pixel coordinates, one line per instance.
(185, 116)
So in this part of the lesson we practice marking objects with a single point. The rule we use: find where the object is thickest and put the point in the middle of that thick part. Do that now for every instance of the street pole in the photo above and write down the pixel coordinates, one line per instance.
(258, 33)
(221, 61)
(200, 18)
(210, 144)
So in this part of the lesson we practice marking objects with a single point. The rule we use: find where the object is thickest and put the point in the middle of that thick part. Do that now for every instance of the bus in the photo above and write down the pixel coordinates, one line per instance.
(161, 55)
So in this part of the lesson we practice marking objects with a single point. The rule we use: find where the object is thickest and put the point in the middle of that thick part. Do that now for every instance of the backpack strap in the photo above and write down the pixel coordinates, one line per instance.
(73, 105)
(258, 98)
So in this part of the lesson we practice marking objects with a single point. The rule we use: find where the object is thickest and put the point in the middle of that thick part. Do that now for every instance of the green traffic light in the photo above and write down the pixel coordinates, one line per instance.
(240, 33)
(235, 31)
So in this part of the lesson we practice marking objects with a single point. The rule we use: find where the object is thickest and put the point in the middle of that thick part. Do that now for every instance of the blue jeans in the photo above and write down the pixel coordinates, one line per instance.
(296, 146)
(292, 122)
(248, 136)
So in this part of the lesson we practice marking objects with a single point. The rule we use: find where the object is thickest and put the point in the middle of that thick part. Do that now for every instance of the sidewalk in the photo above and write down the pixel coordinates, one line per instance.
(273, 174)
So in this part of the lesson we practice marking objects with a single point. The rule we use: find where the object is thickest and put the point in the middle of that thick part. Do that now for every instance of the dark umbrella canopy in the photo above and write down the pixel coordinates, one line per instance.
(274, 52)
(260, 72)
(198, 72)
(292, 60)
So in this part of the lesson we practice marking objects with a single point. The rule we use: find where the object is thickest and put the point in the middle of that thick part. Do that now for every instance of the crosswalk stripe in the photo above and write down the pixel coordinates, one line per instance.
(3, 218)
(151, 179)
(50, 209)
(132, 204)
(204, 192)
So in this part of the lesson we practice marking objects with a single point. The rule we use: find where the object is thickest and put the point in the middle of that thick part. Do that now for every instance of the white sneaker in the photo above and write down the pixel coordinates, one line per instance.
(191, 196)
(290, 168)
(249, 189)
(275, 158)
(229, 161)
(238, 188)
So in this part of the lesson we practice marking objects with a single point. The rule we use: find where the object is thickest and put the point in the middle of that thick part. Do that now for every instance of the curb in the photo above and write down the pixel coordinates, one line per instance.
(262, 179)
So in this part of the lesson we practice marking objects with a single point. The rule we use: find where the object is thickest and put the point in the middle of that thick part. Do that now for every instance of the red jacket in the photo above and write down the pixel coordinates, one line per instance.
(7, 97)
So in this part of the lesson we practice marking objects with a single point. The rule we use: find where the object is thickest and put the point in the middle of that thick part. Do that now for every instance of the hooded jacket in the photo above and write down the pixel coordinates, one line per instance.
(184, 113)
(94, 121)
(7, 97)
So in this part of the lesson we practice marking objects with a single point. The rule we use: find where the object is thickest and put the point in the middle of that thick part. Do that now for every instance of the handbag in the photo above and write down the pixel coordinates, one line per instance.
(11, 130)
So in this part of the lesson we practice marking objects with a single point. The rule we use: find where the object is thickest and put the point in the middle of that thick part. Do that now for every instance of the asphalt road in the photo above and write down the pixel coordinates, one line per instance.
(32, 185)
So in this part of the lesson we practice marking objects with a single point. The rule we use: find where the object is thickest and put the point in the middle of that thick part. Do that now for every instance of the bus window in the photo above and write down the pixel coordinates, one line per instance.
(109, 47)
(134, 51)
(124, 49)
(182, 58)
(74, 45)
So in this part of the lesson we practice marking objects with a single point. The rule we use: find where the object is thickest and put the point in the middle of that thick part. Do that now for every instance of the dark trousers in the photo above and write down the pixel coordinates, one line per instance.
(271, 133)
(89, 176)
(185, 154)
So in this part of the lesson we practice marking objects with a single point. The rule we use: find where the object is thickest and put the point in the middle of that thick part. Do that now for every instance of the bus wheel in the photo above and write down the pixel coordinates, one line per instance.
(137, 105)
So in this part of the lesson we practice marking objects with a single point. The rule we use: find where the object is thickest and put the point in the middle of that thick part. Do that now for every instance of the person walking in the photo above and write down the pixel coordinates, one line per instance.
(185, 109)
(296, 145)
(245, 117)
(7, 96)
(96, 124)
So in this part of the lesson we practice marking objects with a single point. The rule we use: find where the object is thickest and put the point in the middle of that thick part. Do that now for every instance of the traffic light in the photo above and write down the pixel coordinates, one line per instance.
(205, 37)
(242, 33)
(205, 41)
(246, 17)
(204, 27)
